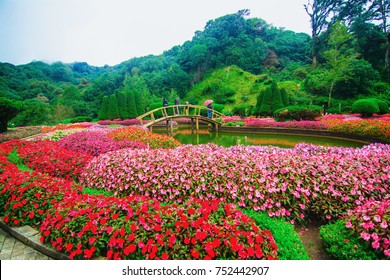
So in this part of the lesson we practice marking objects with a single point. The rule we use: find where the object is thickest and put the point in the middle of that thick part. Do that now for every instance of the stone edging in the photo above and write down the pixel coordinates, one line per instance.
(31, 238)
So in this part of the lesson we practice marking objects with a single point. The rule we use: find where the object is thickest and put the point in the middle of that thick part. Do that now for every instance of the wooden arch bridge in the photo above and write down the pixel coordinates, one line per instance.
(194, 112)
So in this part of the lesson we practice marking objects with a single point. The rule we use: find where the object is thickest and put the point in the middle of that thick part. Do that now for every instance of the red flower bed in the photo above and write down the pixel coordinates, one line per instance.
(138, 228)
(48, 157)
(25, 197)
(7, 147)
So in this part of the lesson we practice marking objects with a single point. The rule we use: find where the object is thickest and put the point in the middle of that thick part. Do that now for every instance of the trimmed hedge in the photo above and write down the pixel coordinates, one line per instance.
(343, 244)
(290, 246)
(298, 113)
(366, 107)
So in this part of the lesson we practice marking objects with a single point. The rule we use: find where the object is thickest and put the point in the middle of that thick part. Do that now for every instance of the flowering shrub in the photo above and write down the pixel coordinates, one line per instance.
(370, 128)
(283, 182)
(48, 157)
(120, 122)
(253, 122)
(343, 244)
(96, 143)
(20, 132)
(25, 197)
(7, 147)
(137, 228)
(59, 134)
(372, 222)
(46, 129)
(227, 119)
(142, 135)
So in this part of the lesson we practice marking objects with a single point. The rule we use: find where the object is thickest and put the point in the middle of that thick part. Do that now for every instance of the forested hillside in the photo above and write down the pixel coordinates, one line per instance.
(344, 59)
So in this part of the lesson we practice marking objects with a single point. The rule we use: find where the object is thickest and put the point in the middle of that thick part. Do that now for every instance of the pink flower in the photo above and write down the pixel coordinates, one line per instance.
(375, 244)
(366, 236)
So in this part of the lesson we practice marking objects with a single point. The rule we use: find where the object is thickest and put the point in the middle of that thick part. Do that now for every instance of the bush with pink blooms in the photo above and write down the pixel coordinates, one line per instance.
(253, 122)
(371, 221)
(96, 143)
(284, 182)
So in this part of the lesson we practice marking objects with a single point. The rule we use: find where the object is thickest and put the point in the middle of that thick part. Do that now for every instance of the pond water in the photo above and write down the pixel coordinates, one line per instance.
(227, 139)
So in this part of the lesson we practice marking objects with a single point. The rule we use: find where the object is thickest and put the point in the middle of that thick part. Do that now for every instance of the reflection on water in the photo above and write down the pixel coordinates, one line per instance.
(227, 139)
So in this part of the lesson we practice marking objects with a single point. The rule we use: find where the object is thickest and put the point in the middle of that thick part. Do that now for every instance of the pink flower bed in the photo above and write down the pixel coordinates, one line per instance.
(284, 182)
(253, 122)
(96, 143)
(372, 222)
(120, 122)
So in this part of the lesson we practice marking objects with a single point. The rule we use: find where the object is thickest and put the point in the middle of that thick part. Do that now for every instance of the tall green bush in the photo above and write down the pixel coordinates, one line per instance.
(265, 107)
(285, 97)
(122, 104)
(113, 110)
(132, 108)
(277, 101)
(103, 112)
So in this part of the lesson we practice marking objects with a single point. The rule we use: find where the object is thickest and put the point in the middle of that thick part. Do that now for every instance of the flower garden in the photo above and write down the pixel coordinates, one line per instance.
(96, 191)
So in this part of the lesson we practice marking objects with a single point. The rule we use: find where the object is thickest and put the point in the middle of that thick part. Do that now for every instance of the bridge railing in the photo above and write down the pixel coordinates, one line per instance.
(177, 111)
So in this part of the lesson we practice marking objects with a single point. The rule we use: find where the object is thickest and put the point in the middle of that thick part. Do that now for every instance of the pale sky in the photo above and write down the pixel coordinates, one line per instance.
(109, 32)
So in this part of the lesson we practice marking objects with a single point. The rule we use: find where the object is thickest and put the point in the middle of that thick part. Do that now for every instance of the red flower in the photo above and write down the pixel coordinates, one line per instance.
(164, 256)
(201, 235)
(131, 237)
(172, 239)
(191, 211)
(130, 249)
(69, 247)
(216, 243)
(195, 254)
(103, 221)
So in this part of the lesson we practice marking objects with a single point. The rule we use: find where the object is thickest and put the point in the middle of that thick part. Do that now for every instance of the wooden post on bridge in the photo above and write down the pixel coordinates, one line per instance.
(197, 124)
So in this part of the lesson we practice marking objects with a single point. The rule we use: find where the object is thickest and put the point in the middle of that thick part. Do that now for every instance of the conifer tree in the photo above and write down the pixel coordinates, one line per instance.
(103, 112)
(133, 113)
(285, 98)
(258, 103)
(277, 101)
(265, 108)
(113, 110)
(122, 104)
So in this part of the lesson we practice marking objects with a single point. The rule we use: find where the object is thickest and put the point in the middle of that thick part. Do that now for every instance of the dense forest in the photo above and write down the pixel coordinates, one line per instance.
(346, 58)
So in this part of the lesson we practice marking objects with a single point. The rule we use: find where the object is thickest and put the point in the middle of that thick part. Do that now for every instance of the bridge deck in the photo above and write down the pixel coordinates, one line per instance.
(194, 112)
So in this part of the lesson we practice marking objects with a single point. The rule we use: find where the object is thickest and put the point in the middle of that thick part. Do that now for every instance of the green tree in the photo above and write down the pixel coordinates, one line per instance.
(103, 112)
(265, 108)
(113, 110)
(133, 113)
(123, 107)
(339, 58)
(35, 113)
(258, 103)
(321, 13)
(277, 101)
(8, 110)
(285, 98)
